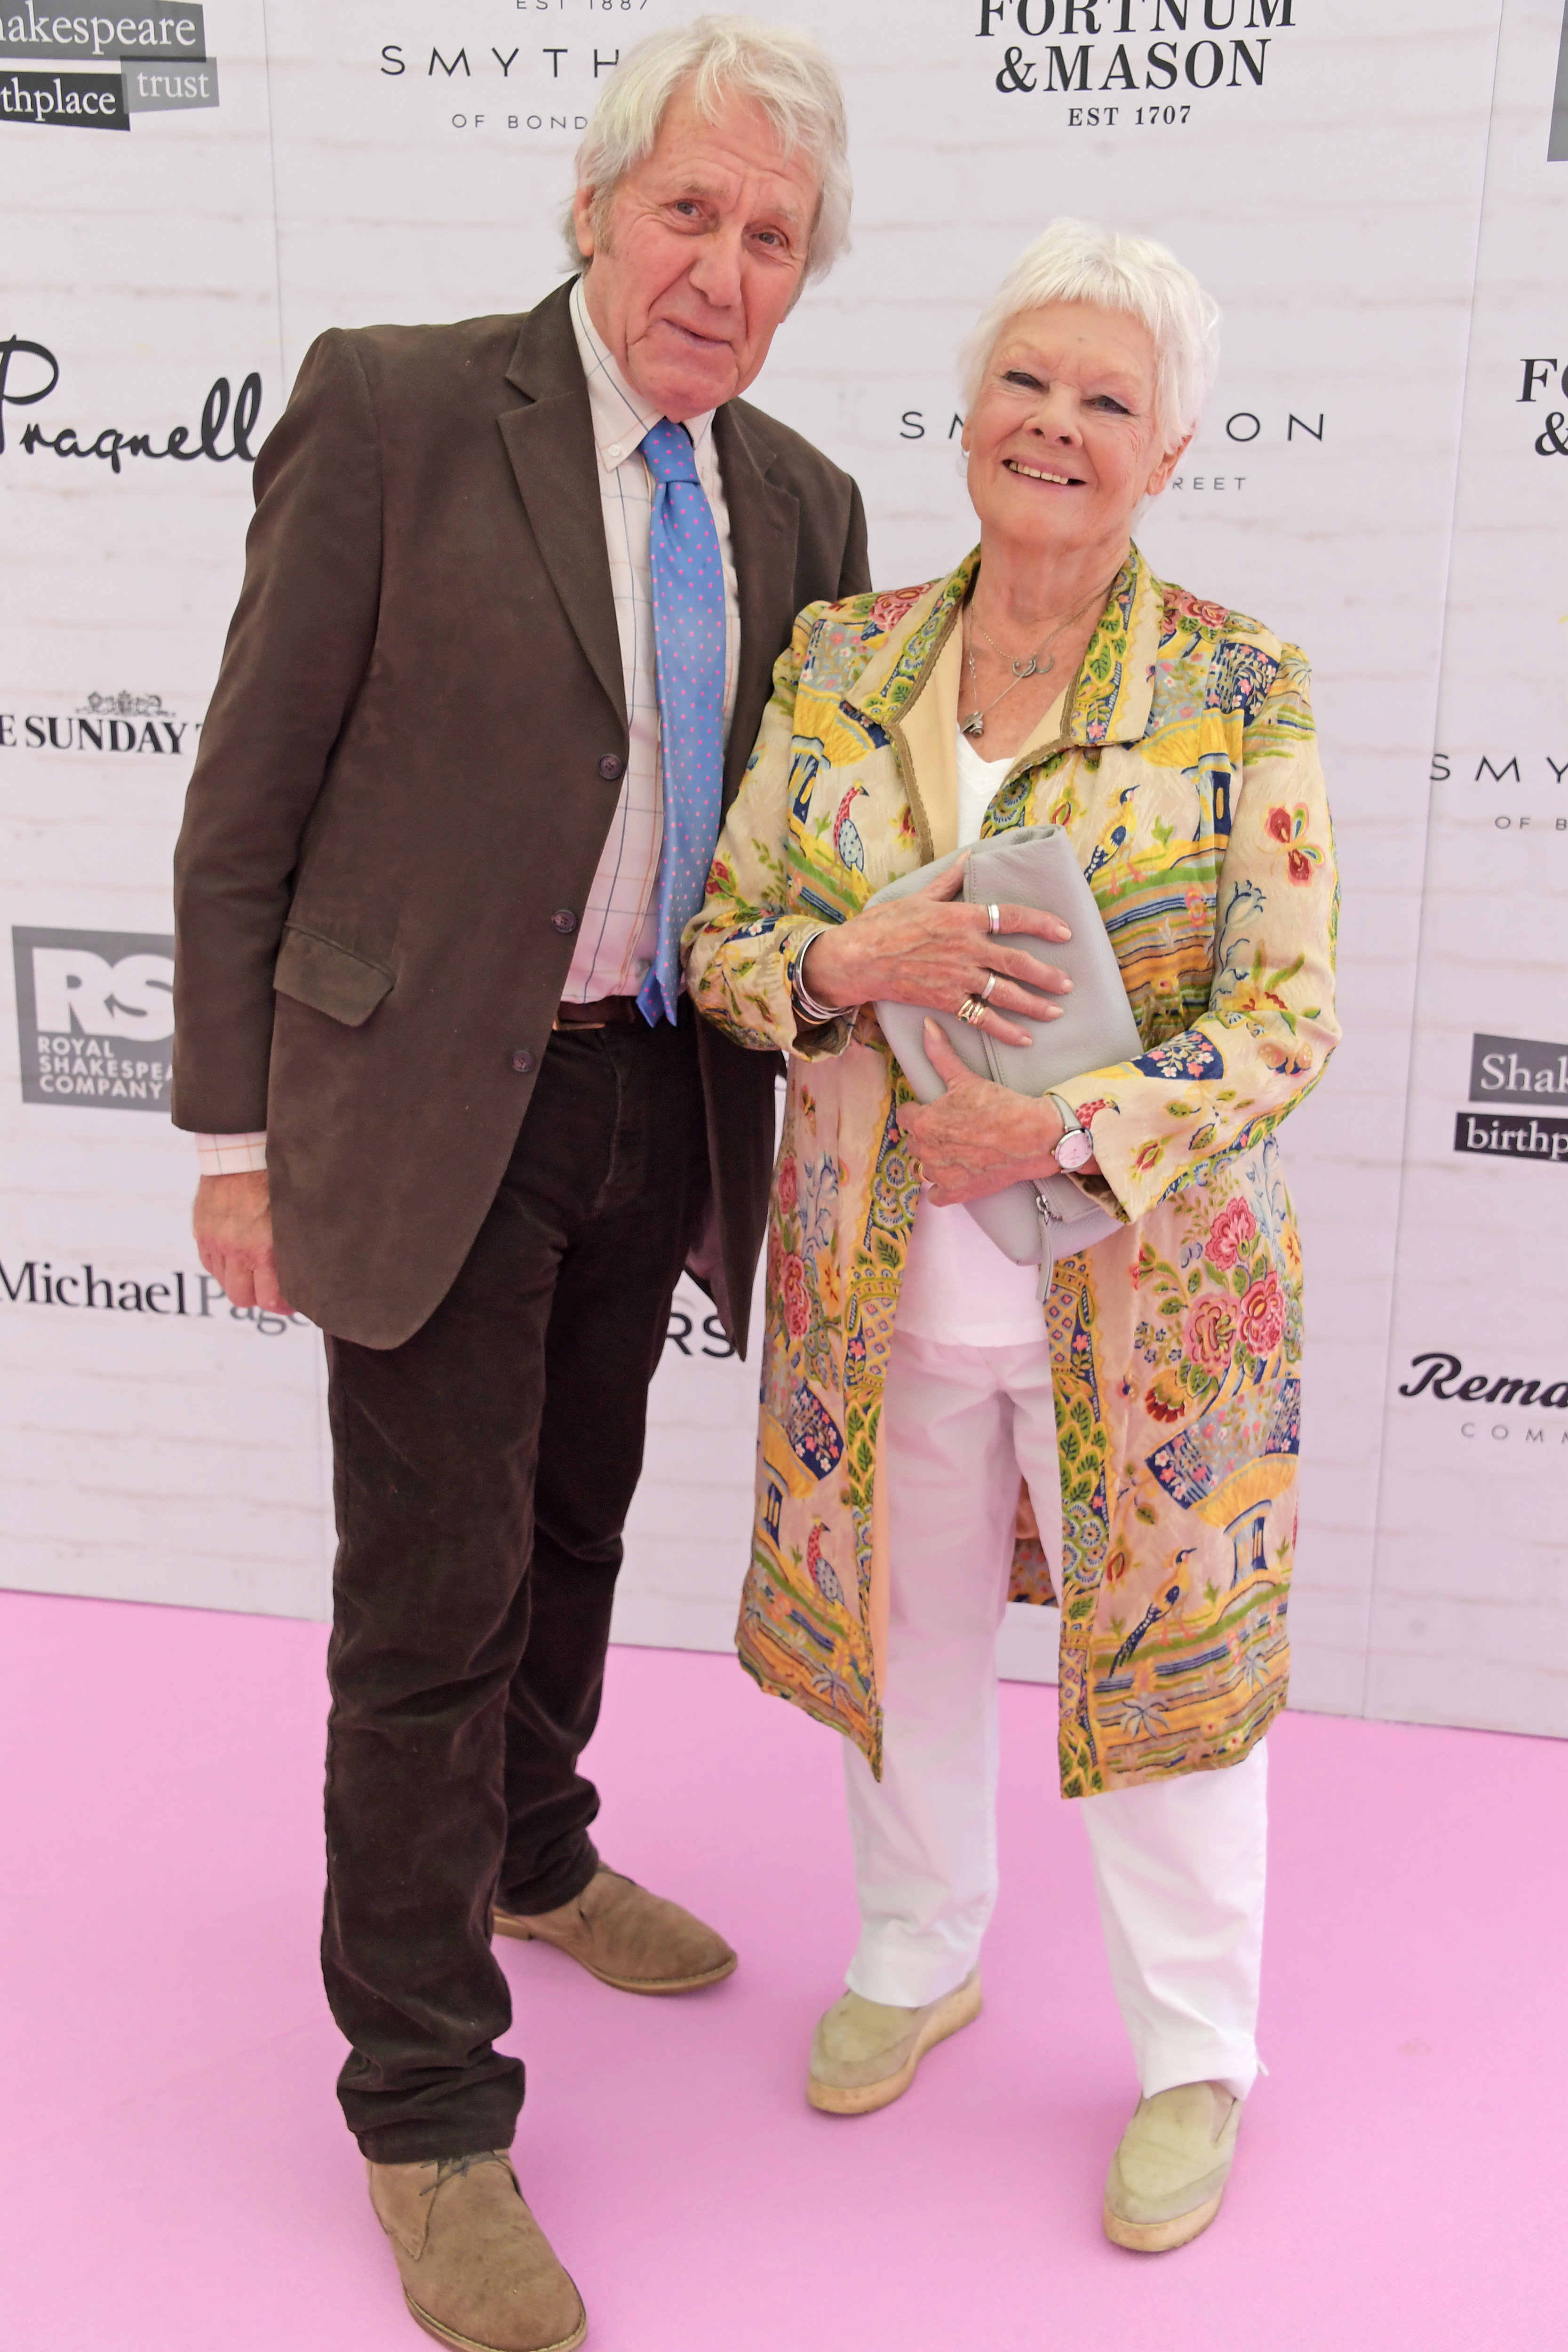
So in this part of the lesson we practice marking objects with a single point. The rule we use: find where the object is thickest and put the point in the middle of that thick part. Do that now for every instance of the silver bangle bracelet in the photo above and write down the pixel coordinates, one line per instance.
(815, 1015)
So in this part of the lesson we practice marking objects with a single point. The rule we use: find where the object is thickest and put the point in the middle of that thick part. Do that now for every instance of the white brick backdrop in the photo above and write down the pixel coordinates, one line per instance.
(1385, 238)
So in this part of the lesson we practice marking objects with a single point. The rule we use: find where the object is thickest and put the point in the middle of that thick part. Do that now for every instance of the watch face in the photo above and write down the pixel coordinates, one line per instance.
(1076, 1150)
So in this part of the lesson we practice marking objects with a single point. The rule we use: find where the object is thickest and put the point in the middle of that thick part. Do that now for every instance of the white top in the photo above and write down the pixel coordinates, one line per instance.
(958, 1287)
(619, 930)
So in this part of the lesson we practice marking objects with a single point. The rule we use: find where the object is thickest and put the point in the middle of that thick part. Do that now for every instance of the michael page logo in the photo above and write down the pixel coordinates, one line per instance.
(116, 66)
(95, 1012)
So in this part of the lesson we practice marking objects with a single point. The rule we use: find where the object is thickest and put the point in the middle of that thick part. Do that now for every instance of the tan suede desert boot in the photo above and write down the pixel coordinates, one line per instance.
(864, 2053)
(476, 2267)
(626, 1937)
(1168, 2176)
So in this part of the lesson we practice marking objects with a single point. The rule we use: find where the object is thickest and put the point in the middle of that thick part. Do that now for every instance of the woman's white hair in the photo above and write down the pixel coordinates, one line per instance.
(1078, 261)
(779, 69)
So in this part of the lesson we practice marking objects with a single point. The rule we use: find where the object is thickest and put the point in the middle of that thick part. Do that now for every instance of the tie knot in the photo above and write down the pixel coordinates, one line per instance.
(670, 453)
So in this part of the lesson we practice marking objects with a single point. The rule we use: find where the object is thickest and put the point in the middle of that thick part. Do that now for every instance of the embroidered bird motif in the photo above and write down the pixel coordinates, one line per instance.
(821, 1573)
(847, 846)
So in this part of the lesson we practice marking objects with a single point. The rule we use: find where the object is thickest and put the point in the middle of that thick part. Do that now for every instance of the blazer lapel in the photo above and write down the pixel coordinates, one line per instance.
(551, 445)
(764, 525)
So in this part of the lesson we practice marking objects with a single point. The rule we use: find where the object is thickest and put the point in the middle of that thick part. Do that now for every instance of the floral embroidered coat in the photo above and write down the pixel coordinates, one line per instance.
(1186, 773)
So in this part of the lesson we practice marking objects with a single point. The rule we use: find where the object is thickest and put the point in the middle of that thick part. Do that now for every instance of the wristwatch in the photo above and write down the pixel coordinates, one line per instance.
(1075, 1147)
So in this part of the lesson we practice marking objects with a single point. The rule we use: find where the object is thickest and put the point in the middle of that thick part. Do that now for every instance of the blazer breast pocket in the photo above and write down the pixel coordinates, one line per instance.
(331, 979)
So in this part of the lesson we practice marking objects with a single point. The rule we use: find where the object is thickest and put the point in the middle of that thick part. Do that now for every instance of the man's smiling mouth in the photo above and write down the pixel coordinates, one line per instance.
(1039, 473)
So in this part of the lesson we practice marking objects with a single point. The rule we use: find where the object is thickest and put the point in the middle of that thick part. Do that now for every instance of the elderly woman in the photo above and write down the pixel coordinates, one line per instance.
(1152, 1407)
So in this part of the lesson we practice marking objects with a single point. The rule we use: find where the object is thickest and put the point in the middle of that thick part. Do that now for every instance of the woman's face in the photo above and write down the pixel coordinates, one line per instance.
(1061, 442)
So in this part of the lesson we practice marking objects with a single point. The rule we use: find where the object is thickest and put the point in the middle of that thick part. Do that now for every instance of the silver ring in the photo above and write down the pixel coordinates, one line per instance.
(994, 921)
(973, 1010)
(990, 980)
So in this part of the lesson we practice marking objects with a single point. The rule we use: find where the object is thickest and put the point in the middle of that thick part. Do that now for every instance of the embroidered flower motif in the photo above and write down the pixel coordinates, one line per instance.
(789, 1187)
(888, 609)
(1161, 1407)
(1263, 1317)
(796, 1298)
(1187, 1056)
(1210, 1331)
(1230, 1232)
(1291, 1062)
(1287, 827)
(1148, 1156)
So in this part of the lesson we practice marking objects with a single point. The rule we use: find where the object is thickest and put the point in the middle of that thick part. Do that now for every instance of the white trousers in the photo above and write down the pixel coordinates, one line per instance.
(1178, 1864)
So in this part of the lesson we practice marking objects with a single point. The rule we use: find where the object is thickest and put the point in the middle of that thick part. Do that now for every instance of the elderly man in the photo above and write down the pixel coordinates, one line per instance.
(514, 592)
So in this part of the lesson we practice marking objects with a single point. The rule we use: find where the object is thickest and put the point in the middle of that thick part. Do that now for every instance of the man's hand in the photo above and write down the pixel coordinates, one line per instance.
(977, 1138)
(232, 1221)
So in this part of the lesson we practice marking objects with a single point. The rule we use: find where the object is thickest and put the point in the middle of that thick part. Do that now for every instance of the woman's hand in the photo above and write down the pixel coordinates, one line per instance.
(978, 1138)
(926, 949)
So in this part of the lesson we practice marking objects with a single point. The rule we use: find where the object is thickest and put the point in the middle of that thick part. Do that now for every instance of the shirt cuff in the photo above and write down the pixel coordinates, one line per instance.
(231, 1155)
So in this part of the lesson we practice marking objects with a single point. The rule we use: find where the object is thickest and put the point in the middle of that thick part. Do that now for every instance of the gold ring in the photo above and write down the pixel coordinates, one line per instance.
(990, 980)
(973, 1010)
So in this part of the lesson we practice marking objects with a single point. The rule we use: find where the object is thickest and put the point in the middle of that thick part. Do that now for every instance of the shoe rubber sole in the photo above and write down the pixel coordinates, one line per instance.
(453, 2335)
(960, 2008)
(1161, 2237)
(508, 1923)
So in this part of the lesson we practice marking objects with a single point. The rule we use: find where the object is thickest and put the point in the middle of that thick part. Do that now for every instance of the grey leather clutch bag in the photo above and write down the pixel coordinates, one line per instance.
(1033, 865)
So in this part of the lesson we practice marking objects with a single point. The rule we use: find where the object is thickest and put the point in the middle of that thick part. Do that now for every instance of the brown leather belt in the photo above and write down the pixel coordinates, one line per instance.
(599, 1013)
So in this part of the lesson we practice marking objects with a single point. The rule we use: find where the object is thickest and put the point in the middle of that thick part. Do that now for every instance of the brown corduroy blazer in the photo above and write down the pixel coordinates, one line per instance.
(406, 776)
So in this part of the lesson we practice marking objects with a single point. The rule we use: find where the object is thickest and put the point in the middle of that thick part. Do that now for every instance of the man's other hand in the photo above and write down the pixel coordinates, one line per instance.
(232, 1221)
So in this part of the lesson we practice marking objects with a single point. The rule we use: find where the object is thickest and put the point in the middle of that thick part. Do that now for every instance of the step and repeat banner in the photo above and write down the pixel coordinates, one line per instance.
(1378, 200)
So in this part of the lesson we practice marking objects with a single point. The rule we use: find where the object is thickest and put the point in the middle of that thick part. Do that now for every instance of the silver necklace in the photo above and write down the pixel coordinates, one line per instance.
(973, 726)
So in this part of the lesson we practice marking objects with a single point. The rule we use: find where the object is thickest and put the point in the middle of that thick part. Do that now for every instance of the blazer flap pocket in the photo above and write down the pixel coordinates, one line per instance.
(331, 978)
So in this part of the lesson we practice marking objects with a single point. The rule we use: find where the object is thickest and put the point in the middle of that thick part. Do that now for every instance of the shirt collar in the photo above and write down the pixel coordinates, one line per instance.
(620, 419)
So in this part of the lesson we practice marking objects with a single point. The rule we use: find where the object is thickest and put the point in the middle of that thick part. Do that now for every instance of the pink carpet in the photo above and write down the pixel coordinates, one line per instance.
(178, 2176)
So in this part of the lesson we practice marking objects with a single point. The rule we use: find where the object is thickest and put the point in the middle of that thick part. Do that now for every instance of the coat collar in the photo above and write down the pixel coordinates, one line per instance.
(1112, 695)
(551, 445)
(764, 528)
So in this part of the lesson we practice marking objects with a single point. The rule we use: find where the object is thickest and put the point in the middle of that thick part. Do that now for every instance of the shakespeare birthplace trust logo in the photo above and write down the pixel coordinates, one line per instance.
(116, 66)
(95, 1014)
(1520, 1079)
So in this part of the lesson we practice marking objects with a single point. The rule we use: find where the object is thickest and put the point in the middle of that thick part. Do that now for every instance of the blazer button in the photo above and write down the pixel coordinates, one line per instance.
(612, 769)
(564, 919)
(522, 1060)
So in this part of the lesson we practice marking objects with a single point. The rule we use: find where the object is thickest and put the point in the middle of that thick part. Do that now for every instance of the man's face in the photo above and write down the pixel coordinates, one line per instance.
(705, 250)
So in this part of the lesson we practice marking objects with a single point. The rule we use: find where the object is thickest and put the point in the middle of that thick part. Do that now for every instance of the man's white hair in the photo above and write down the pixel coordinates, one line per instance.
(779, 69)
(1078, 261)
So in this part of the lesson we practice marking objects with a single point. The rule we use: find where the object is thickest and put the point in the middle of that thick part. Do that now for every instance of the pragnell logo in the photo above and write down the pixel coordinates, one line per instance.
(1122, 54)
(38, 1282)
(110, 444)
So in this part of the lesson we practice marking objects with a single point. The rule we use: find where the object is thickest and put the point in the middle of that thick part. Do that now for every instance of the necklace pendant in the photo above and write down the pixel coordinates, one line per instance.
(974, 725)
(1026, 669)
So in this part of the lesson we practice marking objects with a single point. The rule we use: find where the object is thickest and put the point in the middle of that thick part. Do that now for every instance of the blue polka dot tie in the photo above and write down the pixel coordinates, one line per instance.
(689, 648)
